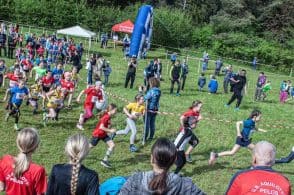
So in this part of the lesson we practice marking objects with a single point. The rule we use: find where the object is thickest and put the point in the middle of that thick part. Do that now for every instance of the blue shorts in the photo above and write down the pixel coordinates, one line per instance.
(95, 140)
(241, 142)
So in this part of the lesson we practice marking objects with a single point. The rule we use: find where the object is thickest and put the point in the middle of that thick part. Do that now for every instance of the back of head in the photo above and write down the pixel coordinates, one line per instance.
(264, 154)
(163, 156)
(27, 141)
(77, 148)
(154, 82)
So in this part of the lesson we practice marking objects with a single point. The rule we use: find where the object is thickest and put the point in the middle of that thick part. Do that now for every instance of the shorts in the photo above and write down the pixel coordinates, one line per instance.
(46, 89)
(243, 143)
(95, 140)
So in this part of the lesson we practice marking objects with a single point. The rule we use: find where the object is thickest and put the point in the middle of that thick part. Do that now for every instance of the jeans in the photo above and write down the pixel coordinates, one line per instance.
(150, 125)
(226, 84)
(258, 92)
(89, 78)
(183, 81)
(106, 79)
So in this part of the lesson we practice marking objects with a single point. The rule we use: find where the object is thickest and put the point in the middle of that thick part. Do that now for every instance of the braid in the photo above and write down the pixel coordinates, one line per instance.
(74, 176)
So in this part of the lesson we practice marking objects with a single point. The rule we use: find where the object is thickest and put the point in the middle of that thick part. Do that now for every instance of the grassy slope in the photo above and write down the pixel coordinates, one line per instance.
(213, 135)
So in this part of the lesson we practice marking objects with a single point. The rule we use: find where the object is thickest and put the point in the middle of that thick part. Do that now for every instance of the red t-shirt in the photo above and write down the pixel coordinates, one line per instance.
(40, 51)
(189, 113)
(33, 181)
(105, 120)
(258, 181)
(92, 96)
(13, 79)
(67, 85)
(26, 64)
(47, 82)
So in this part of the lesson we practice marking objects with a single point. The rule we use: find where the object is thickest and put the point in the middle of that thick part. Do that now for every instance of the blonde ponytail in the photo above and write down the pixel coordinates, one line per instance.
(27, 141)
(77, 148)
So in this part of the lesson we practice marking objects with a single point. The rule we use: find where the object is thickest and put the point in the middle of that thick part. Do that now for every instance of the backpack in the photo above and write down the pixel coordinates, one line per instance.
(112, 186)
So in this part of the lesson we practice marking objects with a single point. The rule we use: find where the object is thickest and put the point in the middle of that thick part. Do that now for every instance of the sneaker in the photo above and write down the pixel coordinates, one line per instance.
(227, 105)
(6, 117)
(112, 136)
(212, 158)
(237, 109)
(178, 94)
(133, 148)
(16, 127)
(80, 127)
(105, 163)
(189, 158)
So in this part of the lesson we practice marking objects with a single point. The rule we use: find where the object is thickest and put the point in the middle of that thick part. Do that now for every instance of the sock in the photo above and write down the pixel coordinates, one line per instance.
(108, 153)
(81, 119)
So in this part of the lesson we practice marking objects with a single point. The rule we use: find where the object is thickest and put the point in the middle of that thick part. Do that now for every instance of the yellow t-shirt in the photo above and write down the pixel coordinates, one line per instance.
(36, 91)
(135, 108)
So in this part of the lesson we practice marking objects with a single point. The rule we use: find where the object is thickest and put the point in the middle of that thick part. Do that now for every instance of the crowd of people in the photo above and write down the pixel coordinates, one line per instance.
(45, 60)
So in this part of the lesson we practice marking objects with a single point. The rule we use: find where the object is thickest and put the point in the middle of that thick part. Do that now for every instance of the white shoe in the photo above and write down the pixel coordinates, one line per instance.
(80, 127)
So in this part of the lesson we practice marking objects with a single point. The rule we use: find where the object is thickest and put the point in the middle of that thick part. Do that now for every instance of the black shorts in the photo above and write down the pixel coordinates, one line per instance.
(243, 143)
(95, 140)
(46, 89)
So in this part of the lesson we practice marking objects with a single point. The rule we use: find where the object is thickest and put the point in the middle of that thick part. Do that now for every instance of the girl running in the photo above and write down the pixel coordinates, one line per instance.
(73, 177)
(55, 103)
(243, 137)
(18, 93)
(35, 94)
(68, 87)
(133, 112)
(100, 133)
(19, 175)
(188, 122)
(93, 94)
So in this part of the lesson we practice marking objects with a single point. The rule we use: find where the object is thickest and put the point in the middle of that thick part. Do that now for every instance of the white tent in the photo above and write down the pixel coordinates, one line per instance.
(78, 32)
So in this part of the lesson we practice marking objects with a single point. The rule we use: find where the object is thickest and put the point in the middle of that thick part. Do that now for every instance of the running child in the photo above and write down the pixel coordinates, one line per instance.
(265, 90)
(68, 88)
(101, 133)
(18, 93)
(133, 111)
(54, 105)
(40, 71)
(188, 122)
(243, 137)
(93, 94)
(35, 93)
(57, 73)
(283, 92)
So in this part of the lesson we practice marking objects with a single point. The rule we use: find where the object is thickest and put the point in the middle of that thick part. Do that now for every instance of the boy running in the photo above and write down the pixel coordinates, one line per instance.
(243, 137)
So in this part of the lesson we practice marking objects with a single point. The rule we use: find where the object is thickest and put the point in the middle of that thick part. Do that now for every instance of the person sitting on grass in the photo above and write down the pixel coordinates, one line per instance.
(212, 85)
(160, 180)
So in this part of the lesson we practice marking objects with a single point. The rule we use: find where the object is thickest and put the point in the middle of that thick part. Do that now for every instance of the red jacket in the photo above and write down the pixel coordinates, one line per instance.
(259, 180)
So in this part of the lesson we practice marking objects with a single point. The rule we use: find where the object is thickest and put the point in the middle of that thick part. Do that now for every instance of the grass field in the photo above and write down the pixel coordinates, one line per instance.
(213, 133)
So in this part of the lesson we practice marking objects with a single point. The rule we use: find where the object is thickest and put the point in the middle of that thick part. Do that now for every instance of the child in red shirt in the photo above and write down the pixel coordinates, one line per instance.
(93, 94)
(67, 87)
(18, 175)
(100, 133)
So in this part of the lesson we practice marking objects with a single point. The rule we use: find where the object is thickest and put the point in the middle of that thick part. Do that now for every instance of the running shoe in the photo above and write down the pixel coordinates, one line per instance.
(133, 148)
(80, 127)
(212, 158)
(112, 136)
(189, 158)
(105, 163)
(6, 117)
(237, 109)
(178, 94)
(16, 127)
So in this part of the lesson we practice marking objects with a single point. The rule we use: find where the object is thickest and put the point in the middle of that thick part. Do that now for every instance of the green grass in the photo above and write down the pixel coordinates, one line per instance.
(213, 134)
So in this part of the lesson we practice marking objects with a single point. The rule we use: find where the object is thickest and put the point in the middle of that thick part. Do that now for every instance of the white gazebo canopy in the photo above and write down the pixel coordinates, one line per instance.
(78, 32)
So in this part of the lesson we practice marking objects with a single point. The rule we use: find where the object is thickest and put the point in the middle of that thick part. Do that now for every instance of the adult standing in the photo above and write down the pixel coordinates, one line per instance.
(3, 42)
(175, 77)
(239, 84)
(76, 61)
(131, 74)
(228, 75)
(152, 97)
(261, 178)
(259, 85)
(185, 71)
(19, 175)
(254, 63)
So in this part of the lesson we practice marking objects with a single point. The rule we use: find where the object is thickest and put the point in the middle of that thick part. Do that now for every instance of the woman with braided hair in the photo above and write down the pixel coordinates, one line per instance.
(19, 175)
(160, 181)
(74, 178)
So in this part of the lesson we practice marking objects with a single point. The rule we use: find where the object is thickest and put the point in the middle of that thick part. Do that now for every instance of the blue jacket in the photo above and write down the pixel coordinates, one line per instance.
(212, 86)
(152, 97)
